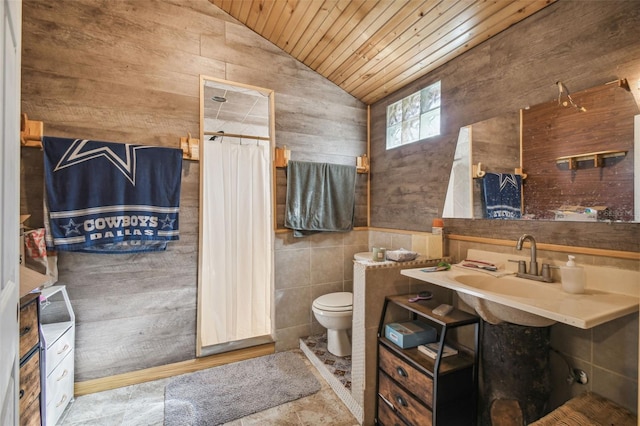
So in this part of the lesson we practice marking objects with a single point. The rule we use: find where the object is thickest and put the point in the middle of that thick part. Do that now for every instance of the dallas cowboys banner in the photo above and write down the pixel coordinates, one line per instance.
(110, 197)
(502, 195)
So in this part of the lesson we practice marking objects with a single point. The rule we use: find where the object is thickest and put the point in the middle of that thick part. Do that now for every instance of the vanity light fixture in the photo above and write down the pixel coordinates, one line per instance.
(562, 89)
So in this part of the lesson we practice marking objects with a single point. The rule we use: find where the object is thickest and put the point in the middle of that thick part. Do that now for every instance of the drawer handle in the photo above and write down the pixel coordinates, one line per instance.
(62, 400)
(21, 393)
(64, 349)
(402, 372)
(24, 331)
(401, 401)
(63, 375)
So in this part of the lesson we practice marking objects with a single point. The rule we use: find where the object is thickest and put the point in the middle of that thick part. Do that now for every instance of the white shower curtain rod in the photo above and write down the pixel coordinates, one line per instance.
(231, 135)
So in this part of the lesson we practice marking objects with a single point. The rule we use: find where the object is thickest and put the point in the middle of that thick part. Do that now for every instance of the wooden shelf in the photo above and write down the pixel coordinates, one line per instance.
(425, 308)
(30, 280)
(463, 359)
(436, 391)
(596, 157)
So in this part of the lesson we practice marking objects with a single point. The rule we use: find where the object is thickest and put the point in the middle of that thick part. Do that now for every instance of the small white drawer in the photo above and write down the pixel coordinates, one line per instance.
(59, 389)
(59, 350)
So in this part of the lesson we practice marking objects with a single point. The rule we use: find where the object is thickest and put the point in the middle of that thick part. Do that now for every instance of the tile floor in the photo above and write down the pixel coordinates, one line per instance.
(340, 367)
(143, 405)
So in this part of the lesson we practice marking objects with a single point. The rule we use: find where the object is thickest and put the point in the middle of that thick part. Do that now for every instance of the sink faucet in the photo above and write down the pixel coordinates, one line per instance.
(533, 264)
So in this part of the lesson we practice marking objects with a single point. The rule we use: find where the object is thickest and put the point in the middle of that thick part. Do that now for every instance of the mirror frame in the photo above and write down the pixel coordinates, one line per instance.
(228, 346)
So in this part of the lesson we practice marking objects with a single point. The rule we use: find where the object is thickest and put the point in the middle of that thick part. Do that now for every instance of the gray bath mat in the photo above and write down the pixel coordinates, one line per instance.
(222, 394)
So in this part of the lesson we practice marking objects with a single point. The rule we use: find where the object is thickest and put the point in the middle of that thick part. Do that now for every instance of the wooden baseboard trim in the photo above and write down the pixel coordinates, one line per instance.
(550, 247)
(169, 370)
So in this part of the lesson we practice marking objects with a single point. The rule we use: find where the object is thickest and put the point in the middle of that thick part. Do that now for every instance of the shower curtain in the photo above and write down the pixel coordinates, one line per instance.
(236, 257)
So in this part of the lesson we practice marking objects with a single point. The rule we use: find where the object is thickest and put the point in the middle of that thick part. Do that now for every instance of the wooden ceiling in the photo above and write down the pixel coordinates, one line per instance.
(372, 48)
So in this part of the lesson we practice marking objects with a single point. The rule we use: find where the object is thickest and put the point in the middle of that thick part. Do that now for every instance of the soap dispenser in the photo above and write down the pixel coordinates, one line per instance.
(572, 276)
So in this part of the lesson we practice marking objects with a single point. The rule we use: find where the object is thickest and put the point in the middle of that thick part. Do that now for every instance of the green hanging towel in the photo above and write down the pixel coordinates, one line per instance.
(320, 197)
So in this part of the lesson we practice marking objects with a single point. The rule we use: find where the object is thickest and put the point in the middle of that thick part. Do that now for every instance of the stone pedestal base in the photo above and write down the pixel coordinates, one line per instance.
(514, 375)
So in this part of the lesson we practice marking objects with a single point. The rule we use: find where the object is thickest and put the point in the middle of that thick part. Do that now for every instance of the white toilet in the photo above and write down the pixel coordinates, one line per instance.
(334, 311)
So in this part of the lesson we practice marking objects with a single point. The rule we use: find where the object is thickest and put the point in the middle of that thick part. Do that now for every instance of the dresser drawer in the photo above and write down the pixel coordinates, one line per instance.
(386, 415)
(409, 377)
(403, 402)
(59, 388)
(60, 381)
(29, 334)
(31, 415)
(29, 381)
(59, 350)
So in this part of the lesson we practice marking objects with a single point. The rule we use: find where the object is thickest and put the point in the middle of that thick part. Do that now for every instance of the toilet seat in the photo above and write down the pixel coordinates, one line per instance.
(335, 302)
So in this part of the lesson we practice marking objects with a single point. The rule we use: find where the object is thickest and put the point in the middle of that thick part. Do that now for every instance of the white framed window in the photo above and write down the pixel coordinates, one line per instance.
(414, 117)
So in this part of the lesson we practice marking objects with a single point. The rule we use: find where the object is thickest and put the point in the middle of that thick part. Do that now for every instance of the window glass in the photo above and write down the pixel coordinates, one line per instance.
(415, 117)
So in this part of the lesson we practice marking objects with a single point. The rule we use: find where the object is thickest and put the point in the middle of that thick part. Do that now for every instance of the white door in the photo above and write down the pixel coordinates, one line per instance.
(9, 209)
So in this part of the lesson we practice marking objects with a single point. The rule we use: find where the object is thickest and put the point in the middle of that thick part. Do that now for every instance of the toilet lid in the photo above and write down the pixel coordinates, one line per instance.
(341, 301)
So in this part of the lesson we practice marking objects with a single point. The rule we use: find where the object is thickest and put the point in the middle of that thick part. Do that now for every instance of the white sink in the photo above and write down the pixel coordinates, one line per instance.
(509, 286)
(532, 303)
(495, 313)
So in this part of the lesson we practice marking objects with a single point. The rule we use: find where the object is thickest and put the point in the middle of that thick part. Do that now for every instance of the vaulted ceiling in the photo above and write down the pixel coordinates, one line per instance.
(372, 48)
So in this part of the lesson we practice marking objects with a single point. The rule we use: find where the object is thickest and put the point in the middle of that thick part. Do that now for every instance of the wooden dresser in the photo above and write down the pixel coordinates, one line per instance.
(415, 389)
(29, 360)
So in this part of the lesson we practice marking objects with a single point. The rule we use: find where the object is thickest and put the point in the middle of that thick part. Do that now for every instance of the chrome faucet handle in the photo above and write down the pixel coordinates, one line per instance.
(546, 271)
(522, 266)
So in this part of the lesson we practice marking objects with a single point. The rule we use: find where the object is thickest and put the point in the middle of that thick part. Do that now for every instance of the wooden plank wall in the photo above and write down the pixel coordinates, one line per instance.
(128, 71)
(549, 131)
(516, 68)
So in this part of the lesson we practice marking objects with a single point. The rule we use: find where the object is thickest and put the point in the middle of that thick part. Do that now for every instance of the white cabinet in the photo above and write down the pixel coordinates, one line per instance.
(57, 329)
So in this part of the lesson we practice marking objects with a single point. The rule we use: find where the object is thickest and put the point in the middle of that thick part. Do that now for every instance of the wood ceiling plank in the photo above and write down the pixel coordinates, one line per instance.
(277, 13)
(235, 9)
(435, 38)
(333, 39)
(223, 4)
(299, 23)
(361, 34)
(428, 28)
(417, 64)
(292, 7)
(262, 16)
(268, 8)
(371, 48)
(405, 18)
(315, 29)
(245, 10)
(254, 13)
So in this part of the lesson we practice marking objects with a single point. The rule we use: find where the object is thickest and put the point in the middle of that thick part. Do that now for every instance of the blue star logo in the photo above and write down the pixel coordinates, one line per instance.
(167, 222)
(81, 150)
(72, 228)
(508, 179)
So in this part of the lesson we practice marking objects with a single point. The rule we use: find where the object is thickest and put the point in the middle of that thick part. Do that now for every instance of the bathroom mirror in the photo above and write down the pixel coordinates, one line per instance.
(494, 145)
(235, 258)
(235, 110)
(550, 132)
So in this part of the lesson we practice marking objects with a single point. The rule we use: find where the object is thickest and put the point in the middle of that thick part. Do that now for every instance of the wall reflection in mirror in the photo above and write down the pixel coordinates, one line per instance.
(554, 146)
(234, 110)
